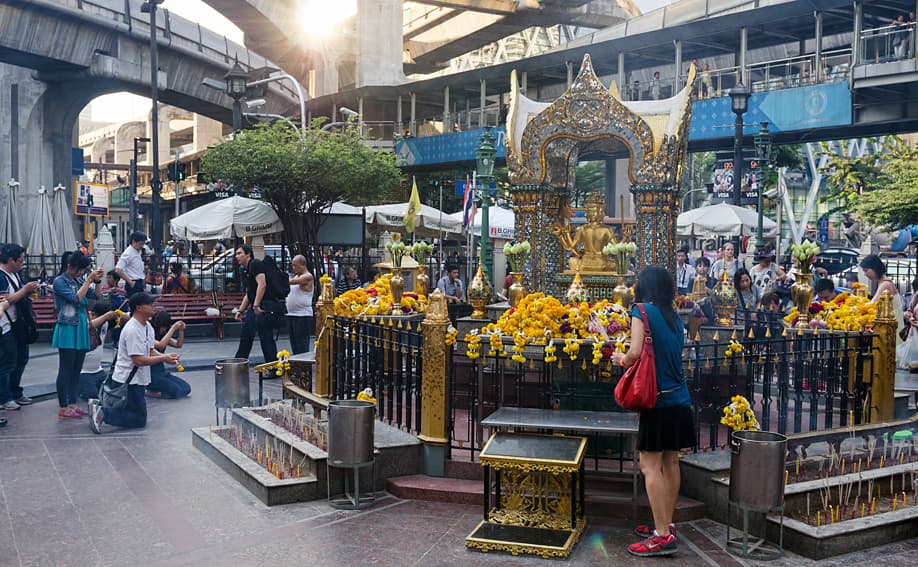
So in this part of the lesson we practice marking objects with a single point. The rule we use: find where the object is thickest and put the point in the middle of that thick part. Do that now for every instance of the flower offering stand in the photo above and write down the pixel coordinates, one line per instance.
(538, 495)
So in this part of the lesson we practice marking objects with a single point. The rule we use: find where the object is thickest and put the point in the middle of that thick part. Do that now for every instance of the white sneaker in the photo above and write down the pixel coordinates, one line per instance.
(95, 416)
(10, 405)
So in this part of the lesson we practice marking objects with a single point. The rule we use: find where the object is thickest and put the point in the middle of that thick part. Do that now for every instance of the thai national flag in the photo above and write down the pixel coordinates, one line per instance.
(468, 206)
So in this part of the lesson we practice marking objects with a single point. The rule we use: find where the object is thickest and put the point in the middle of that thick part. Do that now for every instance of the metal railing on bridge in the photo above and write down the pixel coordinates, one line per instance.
(888, 43)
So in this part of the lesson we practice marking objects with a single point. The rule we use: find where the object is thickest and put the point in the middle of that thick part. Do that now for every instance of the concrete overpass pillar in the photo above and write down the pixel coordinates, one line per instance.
(379, 43)
(483, 96)
(100, 149)
(413, 123)
(677, 84)
(741, 65)
(124, 140)
(399, 126)
(622, 84)
(856, 44)
(37, 131)
(205, 132)
(447, 119)
(164, 136)
(818, 62)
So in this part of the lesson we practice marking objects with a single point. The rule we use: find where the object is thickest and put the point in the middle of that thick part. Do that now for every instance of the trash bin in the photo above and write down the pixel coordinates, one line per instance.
(350, 432)
(231, 382)
(757, 469)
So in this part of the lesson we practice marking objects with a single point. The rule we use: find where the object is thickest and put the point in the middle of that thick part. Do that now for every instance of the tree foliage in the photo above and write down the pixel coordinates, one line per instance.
(849, 178)
(301, 175)
(895, 206)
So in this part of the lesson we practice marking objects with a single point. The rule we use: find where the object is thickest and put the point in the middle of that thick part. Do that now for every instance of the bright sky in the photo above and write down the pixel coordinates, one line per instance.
(122, 107)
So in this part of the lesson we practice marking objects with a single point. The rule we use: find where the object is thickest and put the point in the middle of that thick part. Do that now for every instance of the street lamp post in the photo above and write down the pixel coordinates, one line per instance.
(150, 7)
(739, 99)
(484, 160)
(236, 79)
(763, 154)
(133, 220)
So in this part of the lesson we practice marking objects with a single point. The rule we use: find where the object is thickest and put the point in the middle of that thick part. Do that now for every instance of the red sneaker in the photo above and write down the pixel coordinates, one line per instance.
(646, 530)
(81, 411)
(69, 413)
(654, 546)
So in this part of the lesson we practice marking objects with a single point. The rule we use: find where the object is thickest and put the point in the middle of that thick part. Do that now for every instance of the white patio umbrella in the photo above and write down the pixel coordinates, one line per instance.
(41, 238)
(226, 218)
(10, 231)
(722, 219)
(501, 222)
(63, 221)
(430, 221)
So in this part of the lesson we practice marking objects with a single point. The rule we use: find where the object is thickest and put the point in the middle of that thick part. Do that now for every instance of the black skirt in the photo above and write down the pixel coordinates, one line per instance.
(666, 429)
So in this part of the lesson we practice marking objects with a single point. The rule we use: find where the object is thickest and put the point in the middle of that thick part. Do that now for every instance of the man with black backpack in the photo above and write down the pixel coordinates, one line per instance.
(260, 319)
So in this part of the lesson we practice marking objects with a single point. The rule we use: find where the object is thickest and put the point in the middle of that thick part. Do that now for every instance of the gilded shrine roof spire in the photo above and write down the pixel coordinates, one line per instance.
(653, 132)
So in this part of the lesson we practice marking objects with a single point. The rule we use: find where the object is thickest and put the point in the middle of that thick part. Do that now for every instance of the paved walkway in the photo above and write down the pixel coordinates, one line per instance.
(147, 497)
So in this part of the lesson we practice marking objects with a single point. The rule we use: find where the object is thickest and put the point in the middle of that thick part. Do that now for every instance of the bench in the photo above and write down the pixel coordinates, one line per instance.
(45, 314)
(192, 307)
(579, 421)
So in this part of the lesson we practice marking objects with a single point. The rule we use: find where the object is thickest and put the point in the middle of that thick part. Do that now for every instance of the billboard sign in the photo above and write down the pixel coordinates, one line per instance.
(90, 199)
(722, 187)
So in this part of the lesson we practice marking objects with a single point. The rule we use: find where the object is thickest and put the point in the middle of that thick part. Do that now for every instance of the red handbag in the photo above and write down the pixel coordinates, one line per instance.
(637, 389)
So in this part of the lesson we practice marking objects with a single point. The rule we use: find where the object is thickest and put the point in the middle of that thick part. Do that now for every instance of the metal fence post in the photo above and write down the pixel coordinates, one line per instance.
(884, 377)
(325, 324)
(434, 385)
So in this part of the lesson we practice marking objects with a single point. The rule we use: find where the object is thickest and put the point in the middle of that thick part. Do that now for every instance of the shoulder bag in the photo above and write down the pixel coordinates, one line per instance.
(114, 394)
(637, 389)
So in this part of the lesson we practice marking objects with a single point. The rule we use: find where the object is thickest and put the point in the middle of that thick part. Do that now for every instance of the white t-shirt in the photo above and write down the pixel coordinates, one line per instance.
(136, 339)
(131, 263)
(299, 302)
(763, 278)
(93, 361)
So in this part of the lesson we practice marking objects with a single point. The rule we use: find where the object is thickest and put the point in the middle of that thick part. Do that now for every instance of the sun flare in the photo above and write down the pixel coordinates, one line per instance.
(323, 17)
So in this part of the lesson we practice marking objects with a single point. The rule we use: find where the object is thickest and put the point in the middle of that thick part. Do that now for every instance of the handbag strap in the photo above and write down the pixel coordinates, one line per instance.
(130, 376)
(646, 320)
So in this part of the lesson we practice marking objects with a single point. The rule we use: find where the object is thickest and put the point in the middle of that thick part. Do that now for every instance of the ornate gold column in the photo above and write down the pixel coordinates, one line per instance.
(434, 382)
(884, 377)
(656, 209)
(325, 323)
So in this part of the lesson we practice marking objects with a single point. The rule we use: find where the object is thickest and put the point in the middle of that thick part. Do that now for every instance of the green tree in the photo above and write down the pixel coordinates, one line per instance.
(896, 205)
(849, 177)
(590, 178)
(302, 175)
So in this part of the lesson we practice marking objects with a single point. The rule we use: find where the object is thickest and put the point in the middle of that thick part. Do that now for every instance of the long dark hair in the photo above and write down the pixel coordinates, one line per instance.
(656, 285)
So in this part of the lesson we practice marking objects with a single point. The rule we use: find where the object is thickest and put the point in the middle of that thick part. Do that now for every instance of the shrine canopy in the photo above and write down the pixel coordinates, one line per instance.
(722, 219)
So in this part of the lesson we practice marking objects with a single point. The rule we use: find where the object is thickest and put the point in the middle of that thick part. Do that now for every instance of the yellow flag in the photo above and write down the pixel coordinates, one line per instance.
(414, 207)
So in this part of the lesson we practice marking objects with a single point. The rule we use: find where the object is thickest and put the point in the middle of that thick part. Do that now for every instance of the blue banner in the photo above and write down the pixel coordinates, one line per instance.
(801, 108)
(445, 148)
(76, 161)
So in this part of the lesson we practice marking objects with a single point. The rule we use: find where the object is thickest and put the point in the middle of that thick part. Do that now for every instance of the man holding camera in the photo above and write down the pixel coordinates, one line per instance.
(14, 340)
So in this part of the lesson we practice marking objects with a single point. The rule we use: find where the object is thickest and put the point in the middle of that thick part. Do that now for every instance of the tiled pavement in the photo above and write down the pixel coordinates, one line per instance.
(68, 497)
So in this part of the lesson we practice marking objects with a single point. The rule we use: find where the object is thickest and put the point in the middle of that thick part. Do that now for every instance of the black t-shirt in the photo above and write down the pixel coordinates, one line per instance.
(254, 268)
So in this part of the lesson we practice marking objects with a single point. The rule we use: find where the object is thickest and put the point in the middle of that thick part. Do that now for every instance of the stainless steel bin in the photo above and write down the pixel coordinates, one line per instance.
(350, 432)
(231, 382)
(757, 469)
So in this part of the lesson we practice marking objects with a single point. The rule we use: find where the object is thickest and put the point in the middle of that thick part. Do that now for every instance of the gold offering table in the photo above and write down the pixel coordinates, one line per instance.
(538, 504)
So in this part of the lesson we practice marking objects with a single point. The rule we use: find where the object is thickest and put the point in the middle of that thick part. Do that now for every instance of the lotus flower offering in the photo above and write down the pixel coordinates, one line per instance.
(804, 255)
(619, 251)
(516, 254)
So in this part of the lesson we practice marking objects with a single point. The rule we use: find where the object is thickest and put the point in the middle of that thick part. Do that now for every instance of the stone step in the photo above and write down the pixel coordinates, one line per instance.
(602, 499)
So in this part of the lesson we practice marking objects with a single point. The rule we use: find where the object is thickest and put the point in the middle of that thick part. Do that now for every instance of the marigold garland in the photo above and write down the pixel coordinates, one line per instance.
(377, 300)
(540, 320)
(738, 415)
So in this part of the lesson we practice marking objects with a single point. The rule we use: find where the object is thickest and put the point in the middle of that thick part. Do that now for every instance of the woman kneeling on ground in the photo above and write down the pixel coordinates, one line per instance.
(668, 426)
(164, 384)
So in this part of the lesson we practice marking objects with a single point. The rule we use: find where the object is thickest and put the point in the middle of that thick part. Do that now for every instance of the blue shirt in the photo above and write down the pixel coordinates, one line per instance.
(667, 349)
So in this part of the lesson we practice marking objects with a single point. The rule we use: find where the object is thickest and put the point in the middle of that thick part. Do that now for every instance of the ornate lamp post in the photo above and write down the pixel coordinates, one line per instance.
(739, 101)
(763, 144)
(484, 158)
(236, 81)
